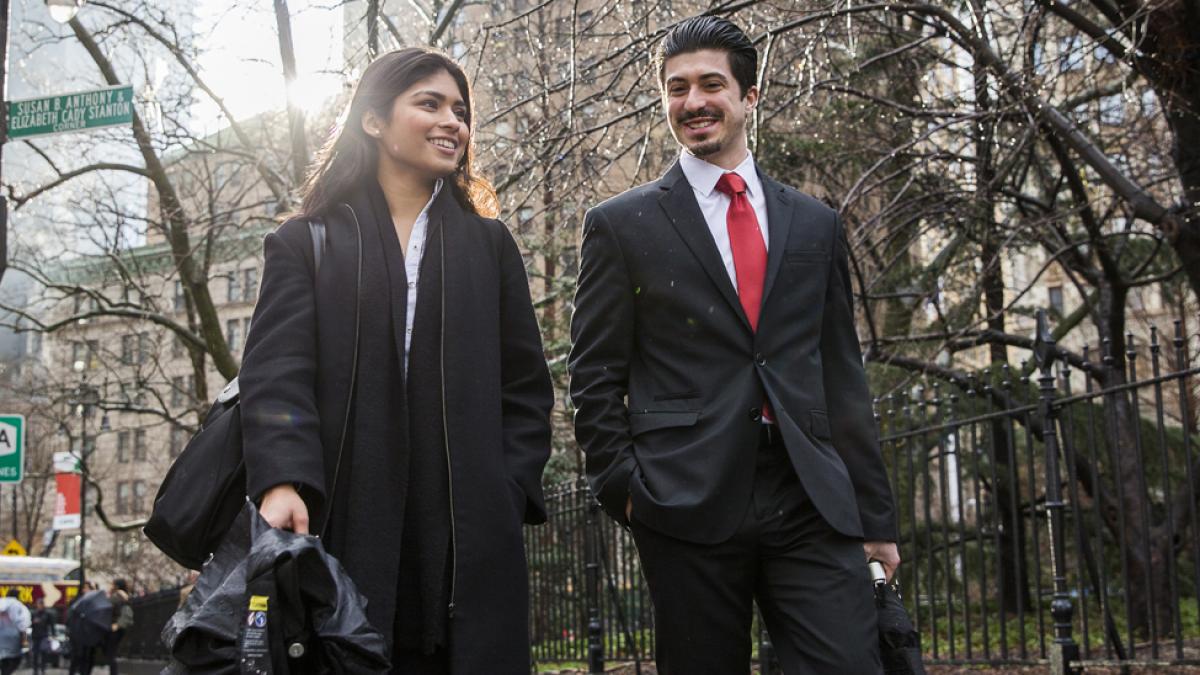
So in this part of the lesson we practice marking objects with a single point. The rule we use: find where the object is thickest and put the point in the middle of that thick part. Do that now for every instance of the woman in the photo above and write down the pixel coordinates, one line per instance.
(448, 428)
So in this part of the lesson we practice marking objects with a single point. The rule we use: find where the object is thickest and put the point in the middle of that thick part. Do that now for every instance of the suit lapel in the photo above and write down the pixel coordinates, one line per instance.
(679, 204)
(780, 213)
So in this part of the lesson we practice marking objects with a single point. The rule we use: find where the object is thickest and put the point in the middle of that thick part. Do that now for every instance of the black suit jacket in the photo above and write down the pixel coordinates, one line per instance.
(668, 378)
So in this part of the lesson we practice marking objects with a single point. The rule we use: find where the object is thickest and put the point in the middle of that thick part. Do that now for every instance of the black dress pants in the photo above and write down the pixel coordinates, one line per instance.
(811, 583)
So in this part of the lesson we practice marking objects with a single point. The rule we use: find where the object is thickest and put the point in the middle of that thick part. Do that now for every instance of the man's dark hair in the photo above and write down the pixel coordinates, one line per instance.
(12, 593)
(120, 585)
(711, 32)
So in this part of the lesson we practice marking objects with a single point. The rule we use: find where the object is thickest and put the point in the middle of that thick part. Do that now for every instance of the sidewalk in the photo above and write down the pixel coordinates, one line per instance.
(127, 667)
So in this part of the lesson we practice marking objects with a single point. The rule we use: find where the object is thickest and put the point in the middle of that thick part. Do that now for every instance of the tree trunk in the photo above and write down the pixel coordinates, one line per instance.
(287, 54)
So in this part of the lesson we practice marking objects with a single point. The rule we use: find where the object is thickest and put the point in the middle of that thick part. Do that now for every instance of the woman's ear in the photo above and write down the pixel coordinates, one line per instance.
(371, 125)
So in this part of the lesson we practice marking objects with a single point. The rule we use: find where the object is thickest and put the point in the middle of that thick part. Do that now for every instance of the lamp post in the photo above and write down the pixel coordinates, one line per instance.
(87, 398)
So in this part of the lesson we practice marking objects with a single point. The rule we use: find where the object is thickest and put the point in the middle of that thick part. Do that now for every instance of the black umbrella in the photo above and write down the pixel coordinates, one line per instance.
(899, 642)
(275, 602)
(89, 620)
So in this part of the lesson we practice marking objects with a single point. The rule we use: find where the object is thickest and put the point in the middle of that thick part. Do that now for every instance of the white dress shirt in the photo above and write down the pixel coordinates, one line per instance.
(703, 178)
(412, 267)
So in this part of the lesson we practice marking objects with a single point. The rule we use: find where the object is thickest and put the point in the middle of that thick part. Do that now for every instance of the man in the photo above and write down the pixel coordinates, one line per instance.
(14, 629)
(719, 390)
(43, 619)
(122, 620)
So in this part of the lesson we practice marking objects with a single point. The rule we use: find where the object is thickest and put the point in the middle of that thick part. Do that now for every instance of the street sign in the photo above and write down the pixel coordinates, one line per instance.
(12, 448)
(80, 111)
(14, 547)
(66, 462)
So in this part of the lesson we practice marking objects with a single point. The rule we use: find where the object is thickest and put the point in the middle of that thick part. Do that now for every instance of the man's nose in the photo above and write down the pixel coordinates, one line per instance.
(696, 100)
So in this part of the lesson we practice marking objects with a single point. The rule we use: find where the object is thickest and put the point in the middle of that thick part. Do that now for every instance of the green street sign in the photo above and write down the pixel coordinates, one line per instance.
(12, 448)
(70, 112)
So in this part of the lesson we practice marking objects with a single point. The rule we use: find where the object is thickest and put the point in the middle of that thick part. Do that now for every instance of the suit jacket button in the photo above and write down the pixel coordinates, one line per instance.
(756, 414)
(760, 359)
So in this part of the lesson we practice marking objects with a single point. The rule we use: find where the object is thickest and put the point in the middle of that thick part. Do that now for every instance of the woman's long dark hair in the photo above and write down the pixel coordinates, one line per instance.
(351, 156)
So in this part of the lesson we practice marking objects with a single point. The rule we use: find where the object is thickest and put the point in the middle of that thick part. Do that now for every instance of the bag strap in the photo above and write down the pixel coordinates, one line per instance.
(337, 468)
(317, 229)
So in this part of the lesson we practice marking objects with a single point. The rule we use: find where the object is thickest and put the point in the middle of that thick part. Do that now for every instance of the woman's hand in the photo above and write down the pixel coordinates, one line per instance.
(282, 507)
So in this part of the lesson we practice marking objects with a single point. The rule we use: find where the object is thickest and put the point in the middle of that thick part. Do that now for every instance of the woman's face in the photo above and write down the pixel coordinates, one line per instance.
(426, 132)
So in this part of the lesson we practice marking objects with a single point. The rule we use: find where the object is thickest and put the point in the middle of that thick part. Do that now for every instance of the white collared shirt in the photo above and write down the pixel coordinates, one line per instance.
(412, 267)
(714, 204)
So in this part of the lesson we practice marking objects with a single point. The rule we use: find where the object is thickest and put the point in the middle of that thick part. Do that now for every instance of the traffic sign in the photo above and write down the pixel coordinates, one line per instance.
(12, 448)
(14, 547)
(79, 111)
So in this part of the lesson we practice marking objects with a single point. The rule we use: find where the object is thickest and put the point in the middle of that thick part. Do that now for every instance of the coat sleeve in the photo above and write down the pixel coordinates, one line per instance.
(526, 392)
(848, 401)
(280, 424)
(602, 331)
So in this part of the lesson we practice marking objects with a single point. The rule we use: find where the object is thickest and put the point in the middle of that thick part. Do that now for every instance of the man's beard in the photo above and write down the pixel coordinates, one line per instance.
(707, 147)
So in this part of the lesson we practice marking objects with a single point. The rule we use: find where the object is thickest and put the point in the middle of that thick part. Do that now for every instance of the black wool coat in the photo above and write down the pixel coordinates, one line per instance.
(295, 379)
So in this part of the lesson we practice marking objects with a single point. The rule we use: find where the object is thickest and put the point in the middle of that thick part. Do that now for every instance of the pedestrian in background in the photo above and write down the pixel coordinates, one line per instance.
(449, 429)
(82, 656)
(42, 620)
(14, 631)
(122, 617)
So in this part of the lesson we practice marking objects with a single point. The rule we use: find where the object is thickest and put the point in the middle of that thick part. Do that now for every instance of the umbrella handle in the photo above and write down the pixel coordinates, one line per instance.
(878, 575)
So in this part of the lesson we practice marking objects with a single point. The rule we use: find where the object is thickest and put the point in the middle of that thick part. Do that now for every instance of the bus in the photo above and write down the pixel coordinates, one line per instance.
(54, 580)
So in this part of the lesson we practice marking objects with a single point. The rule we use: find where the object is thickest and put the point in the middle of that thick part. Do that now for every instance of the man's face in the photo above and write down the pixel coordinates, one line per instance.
(705, 108)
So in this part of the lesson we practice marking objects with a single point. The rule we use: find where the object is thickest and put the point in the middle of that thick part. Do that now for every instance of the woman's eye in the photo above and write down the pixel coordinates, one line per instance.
(432, 105)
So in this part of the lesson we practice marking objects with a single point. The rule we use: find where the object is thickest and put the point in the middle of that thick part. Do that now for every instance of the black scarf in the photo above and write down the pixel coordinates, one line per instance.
(405, 423)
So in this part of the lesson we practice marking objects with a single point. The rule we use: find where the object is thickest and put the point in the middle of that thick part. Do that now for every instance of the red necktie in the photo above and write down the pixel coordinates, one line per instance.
(746, 240)
(749, 252)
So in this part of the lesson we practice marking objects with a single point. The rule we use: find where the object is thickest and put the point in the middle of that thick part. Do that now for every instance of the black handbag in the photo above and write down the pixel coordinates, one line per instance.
(205, 488)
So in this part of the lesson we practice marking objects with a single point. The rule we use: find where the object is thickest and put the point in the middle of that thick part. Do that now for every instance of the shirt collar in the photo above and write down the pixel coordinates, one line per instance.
(424, 215)
(703, 176)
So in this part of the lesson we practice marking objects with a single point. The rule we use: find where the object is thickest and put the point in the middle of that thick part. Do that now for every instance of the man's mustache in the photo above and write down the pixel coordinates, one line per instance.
(703, 112)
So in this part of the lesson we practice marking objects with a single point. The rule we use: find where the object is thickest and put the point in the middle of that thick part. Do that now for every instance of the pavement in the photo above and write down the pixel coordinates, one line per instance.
(126, 667)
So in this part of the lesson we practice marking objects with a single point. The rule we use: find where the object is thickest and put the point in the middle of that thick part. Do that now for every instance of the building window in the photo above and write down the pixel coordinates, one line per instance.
(139, 445)
(126, 546)
(86, 352)
(176, 442)
(138, 500)
(233, 334)
(250, 284)
(177, 390)
(1056, 299)
(124, 489)
(234, 288)
(122, 446)
(127, 348)
(177, 348)
(180, 303)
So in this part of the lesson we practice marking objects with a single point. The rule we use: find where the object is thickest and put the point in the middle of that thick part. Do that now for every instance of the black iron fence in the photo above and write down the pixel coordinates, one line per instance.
(1047, 515)
(150, 613)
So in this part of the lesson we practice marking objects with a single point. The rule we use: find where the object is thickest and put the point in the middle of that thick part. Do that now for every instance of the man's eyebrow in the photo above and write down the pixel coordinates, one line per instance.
(704, 76)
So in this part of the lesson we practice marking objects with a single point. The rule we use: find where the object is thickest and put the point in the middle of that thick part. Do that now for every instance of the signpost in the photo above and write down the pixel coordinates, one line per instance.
(12, 448)
(79, 111)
